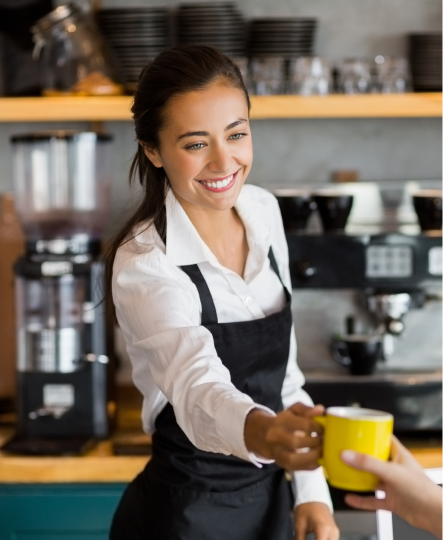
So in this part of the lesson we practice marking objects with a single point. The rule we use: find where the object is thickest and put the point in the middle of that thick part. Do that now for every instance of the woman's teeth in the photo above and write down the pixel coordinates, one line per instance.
(220, 183)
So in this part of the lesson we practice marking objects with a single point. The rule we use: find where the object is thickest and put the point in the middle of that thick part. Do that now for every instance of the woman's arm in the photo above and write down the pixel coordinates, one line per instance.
(158, 311)
(409, 493)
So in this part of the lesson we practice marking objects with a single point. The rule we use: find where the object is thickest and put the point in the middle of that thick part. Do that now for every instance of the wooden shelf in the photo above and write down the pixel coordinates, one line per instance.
(67, 109)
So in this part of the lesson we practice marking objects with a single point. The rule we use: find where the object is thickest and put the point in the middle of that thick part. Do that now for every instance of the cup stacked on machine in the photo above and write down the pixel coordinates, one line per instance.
(219, 24)
(273, 43)
(136, 35)
(426, 61)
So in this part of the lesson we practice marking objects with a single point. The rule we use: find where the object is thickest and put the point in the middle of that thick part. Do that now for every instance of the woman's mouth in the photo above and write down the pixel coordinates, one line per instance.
(220, 185)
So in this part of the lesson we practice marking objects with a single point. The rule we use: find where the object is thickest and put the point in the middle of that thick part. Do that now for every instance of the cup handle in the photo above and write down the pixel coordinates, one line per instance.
(340, 353)
(322, 420)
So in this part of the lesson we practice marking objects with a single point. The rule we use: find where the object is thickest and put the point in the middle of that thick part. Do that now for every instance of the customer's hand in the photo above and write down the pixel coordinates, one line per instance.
(292, 438)
(409, 493)
(315, 517)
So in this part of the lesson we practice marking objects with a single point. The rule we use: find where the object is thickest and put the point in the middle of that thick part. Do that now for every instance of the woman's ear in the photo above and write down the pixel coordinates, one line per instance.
(152, 154)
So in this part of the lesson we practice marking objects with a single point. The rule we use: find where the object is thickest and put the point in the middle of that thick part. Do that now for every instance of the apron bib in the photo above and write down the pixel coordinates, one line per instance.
(188, 494)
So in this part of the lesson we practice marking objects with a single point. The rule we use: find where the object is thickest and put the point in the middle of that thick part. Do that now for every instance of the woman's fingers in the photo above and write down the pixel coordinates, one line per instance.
(292, 461)
(400, 454)
(292, 441)
(364, 462)
(326, 533)
(300, 409)
(291, 422)
(365, 503)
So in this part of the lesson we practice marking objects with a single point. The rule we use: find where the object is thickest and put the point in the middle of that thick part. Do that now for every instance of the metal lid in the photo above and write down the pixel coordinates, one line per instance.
(58, 14)
(57, 134)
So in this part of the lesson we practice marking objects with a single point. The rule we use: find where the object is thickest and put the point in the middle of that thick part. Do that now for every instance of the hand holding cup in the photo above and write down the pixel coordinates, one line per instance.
(292, 438)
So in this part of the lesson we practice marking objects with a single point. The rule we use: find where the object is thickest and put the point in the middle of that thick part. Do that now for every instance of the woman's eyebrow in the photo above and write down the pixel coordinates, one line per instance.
(236, 123)
(193, 134)
(206, 133)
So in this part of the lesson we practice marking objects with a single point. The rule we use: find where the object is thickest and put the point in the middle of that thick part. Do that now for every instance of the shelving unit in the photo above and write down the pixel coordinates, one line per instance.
(39, 109)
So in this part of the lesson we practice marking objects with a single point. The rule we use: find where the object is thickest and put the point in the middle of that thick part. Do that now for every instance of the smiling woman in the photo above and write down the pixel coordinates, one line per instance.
(200, 284)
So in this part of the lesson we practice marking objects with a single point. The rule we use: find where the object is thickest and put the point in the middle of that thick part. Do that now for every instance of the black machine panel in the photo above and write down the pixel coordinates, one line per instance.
(392, 261)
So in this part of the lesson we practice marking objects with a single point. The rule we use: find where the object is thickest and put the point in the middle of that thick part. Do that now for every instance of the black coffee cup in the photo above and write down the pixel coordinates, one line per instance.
(295, 207)
(334, 209)
(359, 353)
(427, 204)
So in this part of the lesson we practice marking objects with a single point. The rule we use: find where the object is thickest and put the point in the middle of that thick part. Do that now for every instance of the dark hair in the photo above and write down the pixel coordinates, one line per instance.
(173, 72)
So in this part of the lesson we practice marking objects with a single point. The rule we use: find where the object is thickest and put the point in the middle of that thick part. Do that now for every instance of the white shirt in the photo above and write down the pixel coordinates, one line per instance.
(173, 357)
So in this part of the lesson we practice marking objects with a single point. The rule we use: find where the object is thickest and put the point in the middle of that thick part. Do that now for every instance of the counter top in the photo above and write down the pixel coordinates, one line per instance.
(100, 465)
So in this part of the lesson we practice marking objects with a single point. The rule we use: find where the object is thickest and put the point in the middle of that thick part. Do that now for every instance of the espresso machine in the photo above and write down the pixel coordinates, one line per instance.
(379, 283)
(62, 193)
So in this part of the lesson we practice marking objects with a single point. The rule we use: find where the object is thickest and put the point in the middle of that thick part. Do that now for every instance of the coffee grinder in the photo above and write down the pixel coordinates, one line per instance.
(62, 191)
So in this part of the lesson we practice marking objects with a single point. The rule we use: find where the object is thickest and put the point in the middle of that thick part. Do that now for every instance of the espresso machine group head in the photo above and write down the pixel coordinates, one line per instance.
(62, 189)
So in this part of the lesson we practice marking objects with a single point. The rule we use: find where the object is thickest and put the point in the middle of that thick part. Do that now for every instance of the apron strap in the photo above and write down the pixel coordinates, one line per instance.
(274, 266)
(209, 313)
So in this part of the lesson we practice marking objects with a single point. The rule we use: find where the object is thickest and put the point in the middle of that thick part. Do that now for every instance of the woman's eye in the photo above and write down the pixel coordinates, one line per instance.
(237, 136)
(195, 146)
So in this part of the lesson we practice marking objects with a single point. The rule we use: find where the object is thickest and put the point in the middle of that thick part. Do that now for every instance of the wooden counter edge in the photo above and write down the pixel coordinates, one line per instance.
(94, 469)
(109, 469)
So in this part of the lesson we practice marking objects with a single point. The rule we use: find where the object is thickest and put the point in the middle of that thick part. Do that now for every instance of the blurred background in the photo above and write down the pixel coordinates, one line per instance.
(291, 152)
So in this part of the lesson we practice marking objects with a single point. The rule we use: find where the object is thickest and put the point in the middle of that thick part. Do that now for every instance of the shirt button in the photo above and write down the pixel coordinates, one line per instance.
(248, 301)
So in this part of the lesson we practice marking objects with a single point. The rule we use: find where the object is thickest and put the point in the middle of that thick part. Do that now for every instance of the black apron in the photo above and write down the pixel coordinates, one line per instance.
(188, 494)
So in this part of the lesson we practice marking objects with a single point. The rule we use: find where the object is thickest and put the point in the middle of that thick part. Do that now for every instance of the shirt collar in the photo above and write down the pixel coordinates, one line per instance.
(184, 245)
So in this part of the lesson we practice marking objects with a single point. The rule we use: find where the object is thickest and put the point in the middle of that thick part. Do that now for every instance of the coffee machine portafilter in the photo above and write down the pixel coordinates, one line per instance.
(62, 190)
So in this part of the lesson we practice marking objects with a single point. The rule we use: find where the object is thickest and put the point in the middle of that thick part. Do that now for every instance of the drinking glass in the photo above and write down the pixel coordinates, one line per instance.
(267, 76)
(354, 76)
(391, 74)
(309, 76)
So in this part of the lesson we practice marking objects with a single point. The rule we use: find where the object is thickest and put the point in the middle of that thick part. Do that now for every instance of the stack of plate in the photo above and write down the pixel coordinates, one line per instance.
(136, 35)
(425, 58)
(286, 37)
(219, 24)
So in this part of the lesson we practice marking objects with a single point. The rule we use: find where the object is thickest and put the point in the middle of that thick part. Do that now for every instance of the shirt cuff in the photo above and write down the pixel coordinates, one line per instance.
(258, 461)
(311, 486)
(231, 427)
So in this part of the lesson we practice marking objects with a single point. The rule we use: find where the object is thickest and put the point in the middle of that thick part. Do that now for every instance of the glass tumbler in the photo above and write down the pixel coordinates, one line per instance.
(309, 76)
(268, 76)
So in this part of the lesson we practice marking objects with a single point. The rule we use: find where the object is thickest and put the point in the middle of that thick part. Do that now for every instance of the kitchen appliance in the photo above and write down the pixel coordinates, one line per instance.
(385, 284)
(62, 188)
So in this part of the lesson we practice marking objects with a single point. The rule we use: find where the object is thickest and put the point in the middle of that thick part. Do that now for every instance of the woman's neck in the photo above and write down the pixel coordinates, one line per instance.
(223, 232)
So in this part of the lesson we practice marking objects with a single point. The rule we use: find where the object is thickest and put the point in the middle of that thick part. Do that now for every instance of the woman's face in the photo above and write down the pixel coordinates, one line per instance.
(205, 147)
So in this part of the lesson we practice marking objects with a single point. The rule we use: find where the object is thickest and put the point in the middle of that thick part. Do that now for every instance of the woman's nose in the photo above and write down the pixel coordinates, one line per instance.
(220, 160)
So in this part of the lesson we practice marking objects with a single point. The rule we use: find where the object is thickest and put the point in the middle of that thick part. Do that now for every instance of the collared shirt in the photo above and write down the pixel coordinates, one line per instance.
(173, 357)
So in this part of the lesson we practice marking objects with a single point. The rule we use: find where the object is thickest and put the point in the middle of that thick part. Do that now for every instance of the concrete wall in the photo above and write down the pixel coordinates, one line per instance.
(291, 152)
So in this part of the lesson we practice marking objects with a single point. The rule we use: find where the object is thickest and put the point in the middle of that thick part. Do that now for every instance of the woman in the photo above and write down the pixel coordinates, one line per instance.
(409, 492)
(200, 285)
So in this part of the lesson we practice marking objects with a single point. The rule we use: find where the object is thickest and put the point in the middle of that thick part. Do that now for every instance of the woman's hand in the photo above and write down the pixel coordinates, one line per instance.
(315, 517)
(409, 493)
(292, 438)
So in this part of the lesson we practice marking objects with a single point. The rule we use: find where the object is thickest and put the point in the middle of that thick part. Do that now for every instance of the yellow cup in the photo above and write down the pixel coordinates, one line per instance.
(351, 428)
